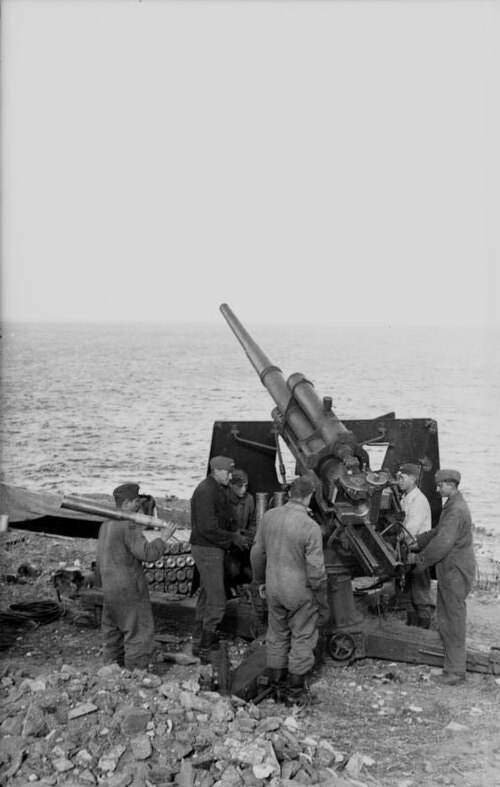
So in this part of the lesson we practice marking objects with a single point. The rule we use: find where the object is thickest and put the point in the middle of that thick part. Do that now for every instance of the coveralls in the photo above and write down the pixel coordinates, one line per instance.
(417, 520)
(287, 556)
(211, 536)
(127, 618)
(449, 547)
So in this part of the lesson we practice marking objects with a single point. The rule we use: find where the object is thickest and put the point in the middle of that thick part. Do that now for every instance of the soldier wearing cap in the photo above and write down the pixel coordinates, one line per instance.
(417, 520)
(287, 557)
(449, 547)
(211, 536)
(127, 619)
(238, 565)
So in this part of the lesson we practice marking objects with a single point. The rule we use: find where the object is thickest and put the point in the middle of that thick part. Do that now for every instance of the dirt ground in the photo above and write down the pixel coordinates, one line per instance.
(407, 730)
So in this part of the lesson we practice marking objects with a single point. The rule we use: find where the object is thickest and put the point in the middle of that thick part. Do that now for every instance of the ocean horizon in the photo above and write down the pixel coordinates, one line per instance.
(86, 406)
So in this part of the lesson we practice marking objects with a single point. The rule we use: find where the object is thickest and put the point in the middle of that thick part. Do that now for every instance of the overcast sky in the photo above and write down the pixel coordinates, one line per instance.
(302, 161)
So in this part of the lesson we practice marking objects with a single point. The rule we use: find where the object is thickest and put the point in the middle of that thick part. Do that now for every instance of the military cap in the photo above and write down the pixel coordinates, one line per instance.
(239, 478)
(124, 492)
(409, 469)
(447, 475)
(221, 463)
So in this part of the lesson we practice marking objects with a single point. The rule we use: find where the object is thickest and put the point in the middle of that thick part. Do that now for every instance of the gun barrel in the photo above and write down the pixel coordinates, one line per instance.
(270, 375)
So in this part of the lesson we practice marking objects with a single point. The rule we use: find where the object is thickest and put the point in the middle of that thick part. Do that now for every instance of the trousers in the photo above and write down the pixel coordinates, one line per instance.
(211, 604)
(292, 635)
(452, 590)
(127, 629)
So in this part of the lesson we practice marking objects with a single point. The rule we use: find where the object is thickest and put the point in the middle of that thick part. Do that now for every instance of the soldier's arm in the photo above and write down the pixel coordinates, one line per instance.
(315, 560)
(142, 549)
(443, 541)
(258, 558)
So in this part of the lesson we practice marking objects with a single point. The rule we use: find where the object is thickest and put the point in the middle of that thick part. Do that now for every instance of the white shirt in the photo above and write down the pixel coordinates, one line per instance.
(417, 512)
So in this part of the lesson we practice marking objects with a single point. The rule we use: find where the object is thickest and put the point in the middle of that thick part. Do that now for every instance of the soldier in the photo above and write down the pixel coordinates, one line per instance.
(127, 618)
(417, 520)
(449, 548)
(287, 557)
(242, 503)
(211, 536)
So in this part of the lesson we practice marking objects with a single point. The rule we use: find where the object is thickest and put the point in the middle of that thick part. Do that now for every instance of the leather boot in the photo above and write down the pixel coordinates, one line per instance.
(423, 623)
(296, 693)
(278, 676)
(411, 618)
(209, 645)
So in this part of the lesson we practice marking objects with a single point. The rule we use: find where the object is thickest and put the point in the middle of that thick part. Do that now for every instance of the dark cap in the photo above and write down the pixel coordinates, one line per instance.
(409, 469)
(239, 478)
(125, 492)
(447, 475)
(221, 463)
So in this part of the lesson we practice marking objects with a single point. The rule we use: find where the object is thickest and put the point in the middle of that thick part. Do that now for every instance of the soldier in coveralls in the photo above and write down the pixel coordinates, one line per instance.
(127, 618)
(449, 548)
(287, 557)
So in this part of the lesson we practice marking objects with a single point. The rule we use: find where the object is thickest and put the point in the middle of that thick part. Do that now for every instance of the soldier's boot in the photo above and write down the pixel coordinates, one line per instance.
(296, 692)
(423, 623)
(411, 618)
(278, 677)
(197, 635)
(209, 646)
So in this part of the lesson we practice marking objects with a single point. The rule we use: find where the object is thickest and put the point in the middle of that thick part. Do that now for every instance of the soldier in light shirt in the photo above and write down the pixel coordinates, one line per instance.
(417, 520)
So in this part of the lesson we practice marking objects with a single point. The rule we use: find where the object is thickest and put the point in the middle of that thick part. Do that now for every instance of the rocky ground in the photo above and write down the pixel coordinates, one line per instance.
(66, 720)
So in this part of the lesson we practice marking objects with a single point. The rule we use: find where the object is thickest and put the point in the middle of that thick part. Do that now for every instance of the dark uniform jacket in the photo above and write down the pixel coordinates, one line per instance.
(121, 550)
(211, 516)
(449, 545)
(244, 517)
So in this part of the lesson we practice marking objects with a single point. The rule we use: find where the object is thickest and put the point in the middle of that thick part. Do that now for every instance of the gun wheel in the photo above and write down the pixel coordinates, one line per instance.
(341, 647)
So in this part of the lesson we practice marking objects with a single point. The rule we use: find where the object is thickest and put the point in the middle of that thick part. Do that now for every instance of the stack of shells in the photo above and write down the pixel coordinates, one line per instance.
(173, 573)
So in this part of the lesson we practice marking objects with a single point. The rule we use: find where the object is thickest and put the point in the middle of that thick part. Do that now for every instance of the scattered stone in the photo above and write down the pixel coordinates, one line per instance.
(82, 710)
(141, 747)
(135, 720)
(34, 722)
(62, 764)
(109, 761)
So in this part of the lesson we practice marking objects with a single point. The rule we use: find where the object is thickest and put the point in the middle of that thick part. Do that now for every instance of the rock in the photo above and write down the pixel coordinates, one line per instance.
(119, 779)
(222, 711)
(62, 764)
(141, 747)
(88, 777)
(109, 761)
(109, 671)
(83, 757)
(32, 685)
(34, 722)
(186, 775)
(179, 658)
(13, 725)
(82, 710)
(194, 702)
(134, 721)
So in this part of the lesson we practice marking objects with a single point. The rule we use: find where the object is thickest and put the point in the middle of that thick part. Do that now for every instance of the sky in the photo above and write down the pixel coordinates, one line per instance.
(315, 162)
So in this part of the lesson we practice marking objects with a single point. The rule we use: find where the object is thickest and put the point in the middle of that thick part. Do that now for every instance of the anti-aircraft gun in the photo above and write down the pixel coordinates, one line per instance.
(356, 505)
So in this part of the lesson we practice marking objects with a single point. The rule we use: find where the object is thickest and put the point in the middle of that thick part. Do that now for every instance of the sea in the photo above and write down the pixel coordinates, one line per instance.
(88, 406)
